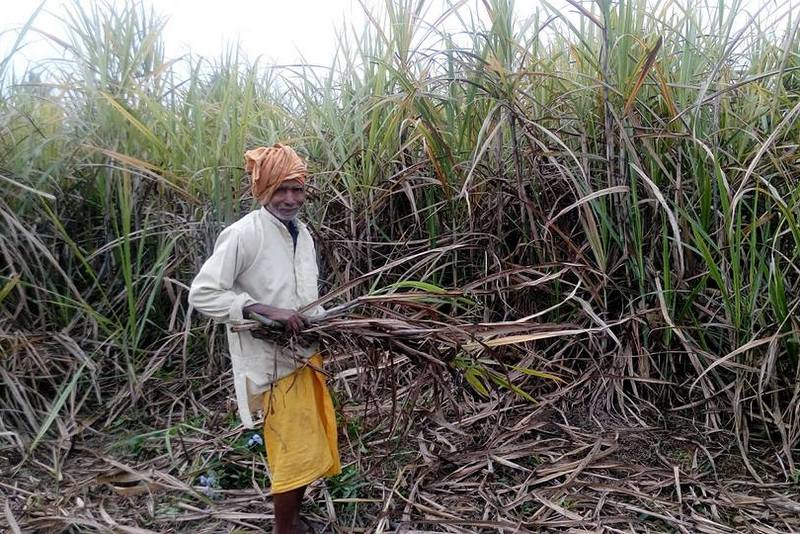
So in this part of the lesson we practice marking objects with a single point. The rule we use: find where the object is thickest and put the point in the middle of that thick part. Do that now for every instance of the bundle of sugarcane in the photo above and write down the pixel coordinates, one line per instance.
(419, 324)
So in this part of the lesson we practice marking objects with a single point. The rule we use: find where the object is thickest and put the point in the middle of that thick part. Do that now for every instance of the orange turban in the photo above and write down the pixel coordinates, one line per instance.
(270, 166)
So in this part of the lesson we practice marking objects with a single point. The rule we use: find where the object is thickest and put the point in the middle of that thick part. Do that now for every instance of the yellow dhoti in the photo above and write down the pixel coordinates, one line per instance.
(300, 429)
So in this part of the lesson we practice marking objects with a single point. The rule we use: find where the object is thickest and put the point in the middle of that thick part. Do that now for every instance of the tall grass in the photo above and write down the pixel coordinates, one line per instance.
(644, 154)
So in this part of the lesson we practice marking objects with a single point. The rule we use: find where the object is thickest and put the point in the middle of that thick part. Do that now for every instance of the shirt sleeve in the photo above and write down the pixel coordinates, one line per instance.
(212, 292)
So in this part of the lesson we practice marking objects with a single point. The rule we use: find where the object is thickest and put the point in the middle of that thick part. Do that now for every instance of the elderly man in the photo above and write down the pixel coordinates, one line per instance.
(266, 263)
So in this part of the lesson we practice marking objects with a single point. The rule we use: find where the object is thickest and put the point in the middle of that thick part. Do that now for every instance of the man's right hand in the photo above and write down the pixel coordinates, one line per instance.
(291, 319)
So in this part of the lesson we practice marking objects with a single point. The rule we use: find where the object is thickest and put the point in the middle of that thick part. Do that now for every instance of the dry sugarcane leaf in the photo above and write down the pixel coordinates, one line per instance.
(129, 483)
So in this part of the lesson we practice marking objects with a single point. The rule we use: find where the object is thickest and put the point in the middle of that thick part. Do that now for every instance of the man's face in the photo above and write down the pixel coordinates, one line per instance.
(287, 200)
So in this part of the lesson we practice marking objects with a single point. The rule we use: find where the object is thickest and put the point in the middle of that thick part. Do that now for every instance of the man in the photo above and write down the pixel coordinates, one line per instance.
(266, 263)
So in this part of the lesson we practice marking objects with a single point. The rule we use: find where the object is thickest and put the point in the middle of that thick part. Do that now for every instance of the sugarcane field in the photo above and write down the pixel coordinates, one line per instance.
(476, 266)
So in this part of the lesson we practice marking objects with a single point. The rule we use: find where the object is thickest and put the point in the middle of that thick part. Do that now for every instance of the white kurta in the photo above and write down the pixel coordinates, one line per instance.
(255, 261)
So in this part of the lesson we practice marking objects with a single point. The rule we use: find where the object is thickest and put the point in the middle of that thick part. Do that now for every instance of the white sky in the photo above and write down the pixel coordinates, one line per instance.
(280, 30)
(276, 29)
